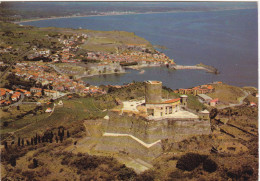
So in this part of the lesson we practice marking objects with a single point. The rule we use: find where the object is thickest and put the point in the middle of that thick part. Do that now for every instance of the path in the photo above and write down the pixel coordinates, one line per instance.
(19, 102)
(147, 145)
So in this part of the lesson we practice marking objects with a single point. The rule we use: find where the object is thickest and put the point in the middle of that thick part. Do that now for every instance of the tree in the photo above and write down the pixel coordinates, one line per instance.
(62, 133)
(39, 139)
(22, 142)
(213, 113)
(68, 134)
(31, 141)
(209, 165)
(19, 141)
(12, 160)
(190, 161)
(6, 145)
(43, 139)
(27, 142)
(56, 138)
(43, 92)
(35, 163)
(61, 139)
(35, 140)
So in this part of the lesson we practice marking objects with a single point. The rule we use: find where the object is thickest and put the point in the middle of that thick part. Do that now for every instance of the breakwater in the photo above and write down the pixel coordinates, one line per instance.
(196, 67)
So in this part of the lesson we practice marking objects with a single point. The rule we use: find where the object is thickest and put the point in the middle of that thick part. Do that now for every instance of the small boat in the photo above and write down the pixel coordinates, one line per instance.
(142, 71)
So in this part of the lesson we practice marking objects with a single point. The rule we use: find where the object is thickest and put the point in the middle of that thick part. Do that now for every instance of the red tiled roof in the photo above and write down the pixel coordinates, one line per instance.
(172, 100)
(214, 100)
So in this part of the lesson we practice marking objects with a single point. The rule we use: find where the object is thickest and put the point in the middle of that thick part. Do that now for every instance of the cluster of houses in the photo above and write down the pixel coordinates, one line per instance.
(201, 92)
(8, 96)
(7, 49)
(142, 58)
(202, 89)
(44, 75)
(70, 44)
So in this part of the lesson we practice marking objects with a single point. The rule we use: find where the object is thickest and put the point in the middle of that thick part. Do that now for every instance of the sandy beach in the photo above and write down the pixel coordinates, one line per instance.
(119, 14)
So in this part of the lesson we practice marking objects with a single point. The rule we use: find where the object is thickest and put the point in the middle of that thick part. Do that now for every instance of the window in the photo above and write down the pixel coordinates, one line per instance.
(170, 110)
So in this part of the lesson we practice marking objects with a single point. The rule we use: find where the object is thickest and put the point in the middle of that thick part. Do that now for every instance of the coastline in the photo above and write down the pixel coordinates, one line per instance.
(88, 76)
(62, 17)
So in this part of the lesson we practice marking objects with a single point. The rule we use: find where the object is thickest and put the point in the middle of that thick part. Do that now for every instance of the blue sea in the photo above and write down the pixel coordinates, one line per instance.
(227, 40)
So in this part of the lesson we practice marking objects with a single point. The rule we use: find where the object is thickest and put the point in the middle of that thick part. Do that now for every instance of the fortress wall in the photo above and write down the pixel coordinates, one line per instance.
(128, 146)
(154, 130)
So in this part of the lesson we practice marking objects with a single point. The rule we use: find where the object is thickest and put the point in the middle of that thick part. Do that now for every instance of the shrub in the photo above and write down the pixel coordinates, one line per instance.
(190, 161)
(209, 165)
(146, 176)
(126, 173)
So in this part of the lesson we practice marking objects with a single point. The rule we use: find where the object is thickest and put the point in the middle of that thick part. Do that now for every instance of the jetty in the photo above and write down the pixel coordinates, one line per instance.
(200, 66)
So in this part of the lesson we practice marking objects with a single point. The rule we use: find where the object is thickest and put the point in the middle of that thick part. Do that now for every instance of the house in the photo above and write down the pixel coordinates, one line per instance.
(204, 98)
(48, 110)
(51, 93)
(252, 104)
(9, 91)
(16, 96)
(27, 94)
(60, 103)
(204, 114)
(38, 94)
(21, 90)
(7, 103)
(2, 94)
(214, 102)
(35, 90)
(2, 102)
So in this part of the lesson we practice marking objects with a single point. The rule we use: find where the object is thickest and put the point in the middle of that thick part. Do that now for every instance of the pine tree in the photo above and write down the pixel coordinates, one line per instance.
(35, 163)
(52, 135)
(19, 141)
(35, 140)
(31, 141)
(61, 139)
(68, 134)
(6, 145)
(12, 160)
(56, 138)
(39, 139)
(62, 133)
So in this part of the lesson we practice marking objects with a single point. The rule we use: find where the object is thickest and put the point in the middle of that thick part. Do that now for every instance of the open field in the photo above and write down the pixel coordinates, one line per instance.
(227, 93)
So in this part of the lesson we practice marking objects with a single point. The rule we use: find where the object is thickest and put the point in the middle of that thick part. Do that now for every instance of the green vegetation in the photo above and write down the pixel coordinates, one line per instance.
(73, 110)
(113, 41)
(194, 103)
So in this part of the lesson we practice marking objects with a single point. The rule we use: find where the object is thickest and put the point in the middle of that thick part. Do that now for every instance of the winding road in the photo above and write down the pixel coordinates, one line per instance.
(238, 104)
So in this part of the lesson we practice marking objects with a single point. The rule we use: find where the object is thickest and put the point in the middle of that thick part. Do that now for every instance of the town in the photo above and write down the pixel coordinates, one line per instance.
(136, 129)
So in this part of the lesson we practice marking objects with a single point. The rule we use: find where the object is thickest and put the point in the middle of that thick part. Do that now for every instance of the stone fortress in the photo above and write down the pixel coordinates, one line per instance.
(139, 127)
(156, 108)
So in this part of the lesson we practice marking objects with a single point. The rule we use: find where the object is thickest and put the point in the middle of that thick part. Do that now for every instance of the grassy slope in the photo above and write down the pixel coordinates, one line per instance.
(106, 41)
(73, 110)
(227, 93)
